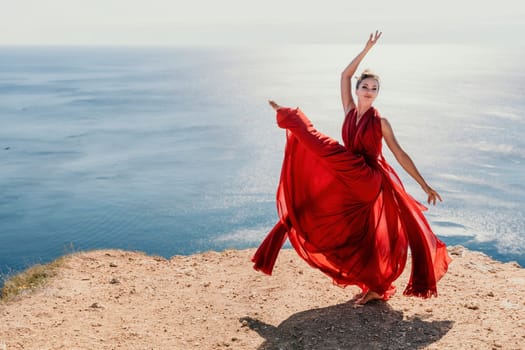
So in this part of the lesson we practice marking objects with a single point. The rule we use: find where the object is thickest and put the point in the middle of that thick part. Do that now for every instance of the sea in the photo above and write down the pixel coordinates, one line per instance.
(175, 150)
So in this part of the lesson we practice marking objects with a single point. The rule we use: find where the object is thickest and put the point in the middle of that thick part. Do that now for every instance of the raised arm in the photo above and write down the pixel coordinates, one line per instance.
(348, 73)
(406, 162)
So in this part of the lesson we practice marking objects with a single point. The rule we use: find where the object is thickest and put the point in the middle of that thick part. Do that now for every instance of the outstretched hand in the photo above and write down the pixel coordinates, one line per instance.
(372, 40)
(432, 195)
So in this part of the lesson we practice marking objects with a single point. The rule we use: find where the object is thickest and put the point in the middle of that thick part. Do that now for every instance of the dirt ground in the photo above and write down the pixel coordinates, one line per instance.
(111, 299)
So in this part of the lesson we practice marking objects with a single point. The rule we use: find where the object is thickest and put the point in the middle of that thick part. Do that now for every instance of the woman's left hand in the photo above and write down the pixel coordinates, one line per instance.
(432, 195)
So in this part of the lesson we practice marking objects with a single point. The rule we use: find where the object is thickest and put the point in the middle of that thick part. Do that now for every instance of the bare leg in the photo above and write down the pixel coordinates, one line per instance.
(274, 105)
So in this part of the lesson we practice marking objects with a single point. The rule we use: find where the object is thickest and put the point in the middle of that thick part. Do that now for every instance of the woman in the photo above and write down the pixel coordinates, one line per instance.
(343, 207)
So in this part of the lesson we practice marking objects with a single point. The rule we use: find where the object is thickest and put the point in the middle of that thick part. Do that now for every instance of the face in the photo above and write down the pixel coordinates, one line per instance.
(368, 90)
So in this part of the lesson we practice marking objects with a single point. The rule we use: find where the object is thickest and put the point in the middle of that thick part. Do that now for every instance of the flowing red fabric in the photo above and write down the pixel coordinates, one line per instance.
(346, 213)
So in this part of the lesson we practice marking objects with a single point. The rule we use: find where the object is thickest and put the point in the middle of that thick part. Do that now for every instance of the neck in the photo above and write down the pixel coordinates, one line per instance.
(362, 108)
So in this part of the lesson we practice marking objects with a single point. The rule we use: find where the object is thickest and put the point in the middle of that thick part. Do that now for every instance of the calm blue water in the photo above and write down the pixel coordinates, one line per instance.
(175, 151)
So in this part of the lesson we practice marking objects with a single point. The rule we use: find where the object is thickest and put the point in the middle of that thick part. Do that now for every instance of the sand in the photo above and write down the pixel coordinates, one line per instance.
(112, 299)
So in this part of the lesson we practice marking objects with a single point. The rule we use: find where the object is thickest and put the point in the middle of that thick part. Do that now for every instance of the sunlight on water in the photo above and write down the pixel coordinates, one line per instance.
(175, 151)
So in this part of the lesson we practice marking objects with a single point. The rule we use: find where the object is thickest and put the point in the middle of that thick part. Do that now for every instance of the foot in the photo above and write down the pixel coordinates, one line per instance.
(369, 296)
(274, 105)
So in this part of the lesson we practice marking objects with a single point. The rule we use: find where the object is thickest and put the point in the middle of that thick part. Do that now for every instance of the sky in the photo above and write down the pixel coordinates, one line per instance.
(245, 22)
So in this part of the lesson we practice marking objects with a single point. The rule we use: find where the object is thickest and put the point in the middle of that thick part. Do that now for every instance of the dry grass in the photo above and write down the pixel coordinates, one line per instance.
(29, 280)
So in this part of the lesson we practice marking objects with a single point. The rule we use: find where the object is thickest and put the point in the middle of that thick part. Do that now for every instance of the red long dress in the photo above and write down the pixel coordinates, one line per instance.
(345, 211)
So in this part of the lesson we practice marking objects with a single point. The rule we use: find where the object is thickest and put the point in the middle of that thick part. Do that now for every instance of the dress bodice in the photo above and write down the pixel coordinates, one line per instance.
(364, 137)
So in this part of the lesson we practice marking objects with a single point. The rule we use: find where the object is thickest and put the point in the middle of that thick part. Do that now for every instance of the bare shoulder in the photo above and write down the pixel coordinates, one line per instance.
(390, 138)
(385, 125)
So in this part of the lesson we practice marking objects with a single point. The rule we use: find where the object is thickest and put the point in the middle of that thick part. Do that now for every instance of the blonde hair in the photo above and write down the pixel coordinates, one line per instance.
(367, 73)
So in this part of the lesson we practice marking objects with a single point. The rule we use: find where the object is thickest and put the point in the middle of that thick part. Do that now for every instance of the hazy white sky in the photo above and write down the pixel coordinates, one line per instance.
(246, 22)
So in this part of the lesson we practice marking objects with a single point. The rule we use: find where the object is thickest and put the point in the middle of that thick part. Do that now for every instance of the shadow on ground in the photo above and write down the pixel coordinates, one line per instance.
(348, 326)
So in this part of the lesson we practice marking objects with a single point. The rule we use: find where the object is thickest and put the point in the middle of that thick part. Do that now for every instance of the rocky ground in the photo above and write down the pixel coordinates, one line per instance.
(112, 299)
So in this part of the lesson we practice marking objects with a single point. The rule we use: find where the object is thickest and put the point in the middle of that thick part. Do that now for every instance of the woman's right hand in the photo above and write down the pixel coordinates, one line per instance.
(372, 40)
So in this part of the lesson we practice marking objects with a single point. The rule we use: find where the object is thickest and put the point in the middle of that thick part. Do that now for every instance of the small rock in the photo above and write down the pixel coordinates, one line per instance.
(514, 264)
(471, 306)
(457, 250)
(96, 306)
(114, 281)
(112, 265)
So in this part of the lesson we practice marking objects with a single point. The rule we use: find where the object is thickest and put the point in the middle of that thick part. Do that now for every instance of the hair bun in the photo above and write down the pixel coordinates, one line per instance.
(367, 73)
